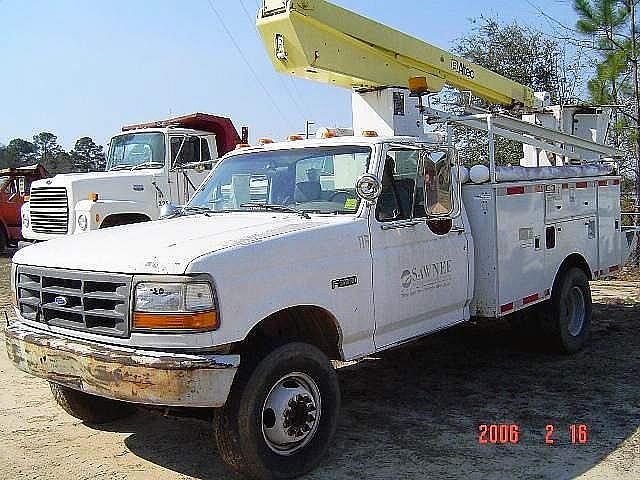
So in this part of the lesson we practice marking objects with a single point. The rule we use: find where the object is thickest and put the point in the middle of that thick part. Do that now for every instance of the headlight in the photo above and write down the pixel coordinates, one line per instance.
(189, 306)
(12, 282)
(25, 220)
(83, 222)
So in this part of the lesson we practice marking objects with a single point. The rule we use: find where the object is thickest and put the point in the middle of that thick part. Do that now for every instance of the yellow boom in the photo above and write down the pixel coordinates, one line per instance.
(317, 40)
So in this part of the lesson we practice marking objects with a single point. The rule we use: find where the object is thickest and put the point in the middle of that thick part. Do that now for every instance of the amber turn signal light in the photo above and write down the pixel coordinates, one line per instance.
(93, 197)
(418, 85)
(176, 321)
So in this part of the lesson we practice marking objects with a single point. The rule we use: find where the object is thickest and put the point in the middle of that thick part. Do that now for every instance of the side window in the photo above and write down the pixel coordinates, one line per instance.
(10, 187)
(22, 186)
(399, 187)
(185, 150)
(206, 154)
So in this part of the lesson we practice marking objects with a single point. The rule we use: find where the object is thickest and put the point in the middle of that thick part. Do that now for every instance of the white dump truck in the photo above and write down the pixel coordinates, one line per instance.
(148, 166)
(291, 255)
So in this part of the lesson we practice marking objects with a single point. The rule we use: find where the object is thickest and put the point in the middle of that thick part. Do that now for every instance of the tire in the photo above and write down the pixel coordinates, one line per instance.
(90, 408)
(266, 409)
(568, 317)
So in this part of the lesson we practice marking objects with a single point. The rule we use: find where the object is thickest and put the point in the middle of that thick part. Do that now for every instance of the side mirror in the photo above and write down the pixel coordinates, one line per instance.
(368, 187)
(167, 210)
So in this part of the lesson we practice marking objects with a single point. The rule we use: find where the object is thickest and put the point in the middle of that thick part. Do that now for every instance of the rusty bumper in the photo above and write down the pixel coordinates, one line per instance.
(140, 376)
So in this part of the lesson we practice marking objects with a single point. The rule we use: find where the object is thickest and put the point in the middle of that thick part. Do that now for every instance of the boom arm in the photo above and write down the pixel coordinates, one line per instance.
(317, 40)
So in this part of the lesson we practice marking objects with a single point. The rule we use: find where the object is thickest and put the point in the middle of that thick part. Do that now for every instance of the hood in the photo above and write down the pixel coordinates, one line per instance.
(164, 246)
(118, 185)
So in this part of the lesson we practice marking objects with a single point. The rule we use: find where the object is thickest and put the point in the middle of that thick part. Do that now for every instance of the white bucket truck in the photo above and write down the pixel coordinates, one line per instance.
(291, 255)
(148, 166)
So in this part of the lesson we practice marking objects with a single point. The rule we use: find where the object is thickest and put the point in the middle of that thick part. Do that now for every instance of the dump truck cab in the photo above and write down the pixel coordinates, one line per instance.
(148, 166)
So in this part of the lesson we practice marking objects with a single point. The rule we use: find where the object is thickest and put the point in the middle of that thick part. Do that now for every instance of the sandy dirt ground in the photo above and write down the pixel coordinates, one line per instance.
(410, 413)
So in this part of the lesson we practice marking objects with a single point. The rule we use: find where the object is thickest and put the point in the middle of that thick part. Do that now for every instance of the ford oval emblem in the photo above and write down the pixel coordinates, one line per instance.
(62, 301)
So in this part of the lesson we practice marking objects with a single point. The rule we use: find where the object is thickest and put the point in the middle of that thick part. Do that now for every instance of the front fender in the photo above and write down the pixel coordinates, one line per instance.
(97, 211)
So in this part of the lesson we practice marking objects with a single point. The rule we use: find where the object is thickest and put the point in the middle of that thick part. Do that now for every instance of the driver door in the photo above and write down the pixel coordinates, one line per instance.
(191, 162)
(419, 247)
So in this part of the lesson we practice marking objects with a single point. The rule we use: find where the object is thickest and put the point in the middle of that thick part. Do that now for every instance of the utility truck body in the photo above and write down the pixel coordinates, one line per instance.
(148, 166)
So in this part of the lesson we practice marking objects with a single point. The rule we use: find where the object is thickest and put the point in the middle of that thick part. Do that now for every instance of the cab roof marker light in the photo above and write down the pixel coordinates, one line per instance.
(369, 133)
(265, 141)
(295, 138)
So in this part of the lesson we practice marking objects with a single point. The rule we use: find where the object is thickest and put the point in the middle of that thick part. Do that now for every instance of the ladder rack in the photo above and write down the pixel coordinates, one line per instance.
(566, 146)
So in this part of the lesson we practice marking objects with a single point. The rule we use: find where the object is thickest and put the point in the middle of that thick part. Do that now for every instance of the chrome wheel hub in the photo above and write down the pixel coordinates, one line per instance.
(291, 413)
(575, 310)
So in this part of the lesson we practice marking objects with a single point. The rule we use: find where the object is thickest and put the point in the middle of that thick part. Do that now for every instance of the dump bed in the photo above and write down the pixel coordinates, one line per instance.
(524, 230)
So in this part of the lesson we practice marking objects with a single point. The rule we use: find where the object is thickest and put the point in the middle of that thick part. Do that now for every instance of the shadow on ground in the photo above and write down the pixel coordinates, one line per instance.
(414, 412)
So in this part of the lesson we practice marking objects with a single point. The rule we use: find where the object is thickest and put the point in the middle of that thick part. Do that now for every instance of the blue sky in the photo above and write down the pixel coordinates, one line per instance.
(79, 68)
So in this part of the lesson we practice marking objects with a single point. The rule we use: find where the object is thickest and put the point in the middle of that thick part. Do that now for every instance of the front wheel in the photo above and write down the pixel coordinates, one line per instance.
(280, 416)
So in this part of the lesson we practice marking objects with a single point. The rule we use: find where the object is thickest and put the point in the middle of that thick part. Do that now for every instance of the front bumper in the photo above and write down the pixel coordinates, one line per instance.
(120, 373)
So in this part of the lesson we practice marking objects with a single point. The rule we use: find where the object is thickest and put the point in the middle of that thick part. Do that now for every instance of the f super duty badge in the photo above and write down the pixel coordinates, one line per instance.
(344, 282)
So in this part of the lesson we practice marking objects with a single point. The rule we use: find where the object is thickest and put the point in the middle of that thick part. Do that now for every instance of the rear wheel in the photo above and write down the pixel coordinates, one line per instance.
(568, 316)
(90, 408)
(281, 415)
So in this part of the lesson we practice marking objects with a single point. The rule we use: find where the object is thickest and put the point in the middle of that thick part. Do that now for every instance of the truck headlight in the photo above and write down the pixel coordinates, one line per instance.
(174, 306)
(83, 223)
(25, 220)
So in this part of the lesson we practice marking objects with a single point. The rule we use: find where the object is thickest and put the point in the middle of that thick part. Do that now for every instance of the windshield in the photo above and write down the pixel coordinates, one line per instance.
(134, 149)
(313, 180)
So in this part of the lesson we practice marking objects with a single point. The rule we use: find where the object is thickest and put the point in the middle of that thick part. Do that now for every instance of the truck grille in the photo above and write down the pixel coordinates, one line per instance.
(49, 210)
(92, 302)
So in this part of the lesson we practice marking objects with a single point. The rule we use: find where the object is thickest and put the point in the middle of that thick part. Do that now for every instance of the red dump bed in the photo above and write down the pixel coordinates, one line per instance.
(226, 134)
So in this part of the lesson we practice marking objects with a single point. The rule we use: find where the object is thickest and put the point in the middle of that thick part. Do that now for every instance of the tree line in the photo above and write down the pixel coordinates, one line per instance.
(85, 156)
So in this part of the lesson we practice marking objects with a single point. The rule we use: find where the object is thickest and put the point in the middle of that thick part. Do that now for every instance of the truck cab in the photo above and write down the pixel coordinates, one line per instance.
(148, 166)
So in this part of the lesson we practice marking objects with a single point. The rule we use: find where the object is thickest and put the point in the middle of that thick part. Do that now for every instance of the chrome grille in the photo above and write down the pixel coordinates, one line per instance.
(92, 302)
(49, 210)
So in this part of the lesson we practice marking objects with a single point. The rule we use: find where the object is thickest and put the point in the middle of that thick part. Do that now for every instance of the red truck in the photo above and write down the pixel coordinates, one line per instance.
(15, 184)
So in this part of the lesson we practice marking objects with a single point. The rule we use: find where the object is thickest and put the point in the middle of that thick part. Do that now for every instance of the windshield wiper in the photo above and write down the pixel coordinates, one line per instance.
(196, 209)
(276, 208)
(148, 165)
(121, 167)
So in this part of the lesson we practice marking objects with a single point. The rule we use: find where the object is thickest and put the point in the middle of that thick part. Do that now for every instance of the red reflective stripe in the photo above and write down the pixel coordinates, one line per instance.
(603, 183)
(506, 307)
(582, 185)
(615, 268)
(616, 182)
(530, 299)
(539, 188)
(565, 186)
(515, 190)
